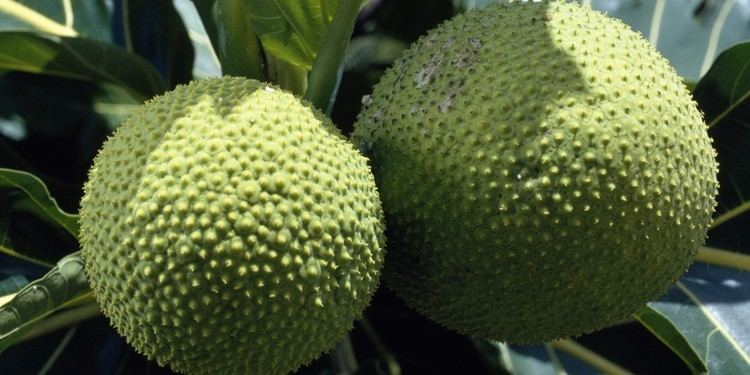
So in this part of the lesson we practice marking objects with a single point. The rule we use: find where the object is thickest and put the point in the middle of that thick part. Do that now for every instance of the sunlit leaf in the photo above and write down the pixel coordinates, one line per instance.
(62, 286)
(205, 64)
(667, 332)
(31, 221)
(710, 306)
(79, 58)
(88, 18)
(292, 30)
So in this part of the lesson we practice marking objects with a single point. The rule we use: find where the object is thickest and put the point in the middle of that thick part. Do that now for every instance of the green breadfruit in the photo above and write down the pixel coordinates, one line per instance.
(543, 170)
(228, 228)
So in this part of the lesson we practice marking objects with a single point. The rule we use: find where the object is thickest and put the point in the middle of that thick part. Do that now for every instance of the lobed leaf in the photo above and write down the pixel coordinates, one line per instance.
(709, 307)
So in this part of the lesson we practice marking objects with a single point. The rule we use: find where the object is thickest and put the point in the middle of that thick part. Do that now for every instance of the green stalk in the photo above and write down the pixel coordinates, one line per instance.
(237, 45)
(326, 70)
(342, 357)
(290, 77)
(593, 359)
(384, 354)
(723, 258)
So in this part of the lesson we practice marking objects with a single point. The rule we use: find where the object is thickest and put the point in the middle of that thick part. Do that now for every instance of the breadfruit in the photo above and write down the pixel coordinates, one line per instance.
(544, 172)
(229, 228)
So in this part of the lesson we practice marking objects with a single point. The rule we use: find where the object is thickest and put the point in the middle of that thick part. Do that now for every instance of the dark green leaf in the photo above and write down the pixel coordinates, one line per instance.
(292, 30)
(31, 220)
(724, 94)
(368, 50)
(79, 58)
(325, 77)
(663, 328)
(155, 31)
(709, 306)
(237, 45)
(89, 19)
(61, 287)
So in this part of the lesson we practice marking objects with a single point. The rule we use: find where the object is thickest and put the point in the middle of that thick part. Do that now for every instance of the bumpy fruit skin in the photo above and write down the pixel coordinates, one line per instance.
(228, 228)
(543, 170)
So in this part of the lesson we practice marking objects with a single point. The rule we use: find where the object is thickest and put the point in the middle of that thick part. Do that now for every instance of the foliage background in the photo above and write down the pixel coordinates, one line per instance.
(61, 96)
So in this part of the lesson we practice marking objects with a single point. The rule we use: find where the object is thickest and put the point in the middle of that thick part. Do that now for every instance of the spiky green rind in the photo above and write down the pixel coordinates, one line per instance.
(543, 170)
(228, 228)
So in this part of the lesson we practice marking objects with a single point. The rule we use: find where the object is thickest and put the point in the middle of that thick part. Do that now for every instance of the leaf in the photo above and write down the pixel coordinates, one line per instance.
(292, 30)
(155, 31)
(543, 359)
(236, 43)
(665, 330)
(114, 104)
(88, 19)
(61, 287)
(365, 51)
(206, 63)
(723, 94)
(81, 59)
(31, 221)
(709, 306)
(689, 36)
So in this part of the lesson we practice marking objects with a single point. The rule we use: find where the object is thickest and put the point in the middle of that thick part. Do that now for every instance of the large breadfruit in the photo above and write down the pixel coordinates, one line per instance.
(228, 228)
(543, 170)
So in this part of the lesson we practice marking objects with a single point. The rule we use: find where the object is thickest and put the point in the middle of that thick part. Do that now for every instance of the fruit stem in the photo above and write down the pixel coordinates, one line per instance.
(579, 351)
(731, 214)
(61, 320)
(383, 352)
(14, 254)
(58, 351)
(342, 356)
(326, 71)
(723, 258)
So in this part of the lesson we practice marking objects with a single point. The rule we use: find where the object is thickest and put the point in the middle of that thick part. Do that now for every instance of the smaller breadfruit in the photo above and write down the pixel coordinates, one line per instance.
(543, 170)
(229, 228)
